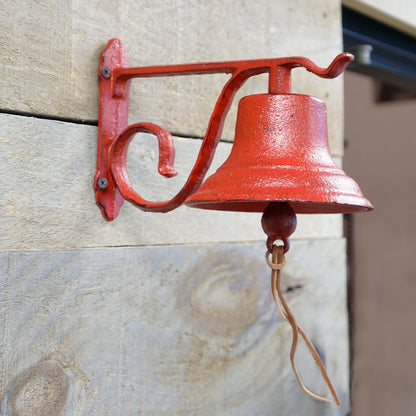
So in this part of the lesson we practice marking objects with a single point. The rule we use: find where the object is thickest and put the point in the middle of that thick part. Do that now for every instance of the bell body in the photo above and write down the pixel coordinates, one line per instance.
(280, 153)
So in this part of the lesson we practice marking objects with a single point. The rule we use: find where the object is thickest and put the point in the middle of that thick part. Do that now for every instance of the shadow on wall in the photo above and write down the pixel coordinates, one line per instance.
(380, 152)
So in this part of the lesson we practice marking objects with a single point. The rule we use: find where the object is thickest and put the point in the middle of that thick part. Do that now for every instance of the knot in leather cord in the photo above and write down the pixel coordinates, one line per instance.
(274, 266)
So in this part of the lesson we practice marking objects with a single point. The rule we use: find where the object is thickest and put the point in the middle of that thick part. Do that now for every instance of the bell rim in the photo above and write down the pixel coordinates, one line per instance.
(310, 191)
(298, 206)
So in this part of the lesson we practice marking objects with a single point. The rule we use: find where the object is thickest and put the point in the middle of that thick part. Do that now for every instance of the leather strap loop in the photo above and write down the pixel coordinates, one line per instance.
(276, 264)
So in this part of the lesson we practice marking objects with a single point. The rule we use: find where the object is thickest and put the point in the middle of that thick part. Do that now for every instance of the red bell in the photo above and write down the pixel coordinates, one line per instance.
(280, 163)
(280, 153)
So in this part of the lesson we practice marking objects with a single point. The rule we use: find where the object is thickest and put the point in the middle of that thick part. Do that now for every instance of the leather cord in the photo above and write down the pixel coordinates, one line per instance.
(276, 264)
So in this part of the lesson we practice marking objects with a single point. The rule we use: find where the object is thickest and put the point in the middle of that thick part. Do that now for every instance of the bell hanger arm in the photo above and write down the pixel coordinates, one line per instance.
(251, 67)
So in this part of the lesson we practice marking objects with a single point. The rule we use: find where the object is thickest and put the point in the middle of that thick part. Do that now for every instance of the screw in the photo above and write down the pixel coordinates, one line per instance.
(106, 72)
(102, 183)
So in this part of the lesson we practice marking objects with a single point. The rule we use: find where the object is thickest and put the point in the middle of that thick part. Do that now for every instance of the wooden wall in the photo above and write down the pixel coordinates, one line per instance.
(153, 314)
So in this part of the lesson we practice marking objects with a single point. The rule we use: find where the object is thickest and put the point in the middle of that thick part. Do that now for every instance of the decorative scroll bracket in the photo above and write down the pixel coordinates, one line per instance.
(111, 182)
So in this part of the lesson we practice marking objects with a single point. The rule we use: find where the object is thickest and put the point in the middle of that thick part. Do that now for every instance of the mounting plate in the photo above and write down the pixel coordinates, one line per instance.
(112, 120)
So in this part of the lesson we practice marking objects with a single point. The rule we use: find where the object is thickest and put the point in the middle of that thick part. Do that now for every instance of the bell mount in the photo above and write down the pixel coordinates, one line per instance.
(111, 182)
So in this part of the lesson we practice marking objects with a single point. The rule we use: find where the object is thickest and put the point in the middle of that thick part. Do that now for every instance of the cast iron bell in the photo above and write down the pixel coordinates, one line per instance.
(280, 153)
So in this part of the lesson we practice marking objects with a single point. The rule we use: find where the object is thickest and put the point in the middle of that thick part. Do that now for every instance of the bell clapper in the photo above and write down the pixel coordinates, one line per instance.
(279, 222)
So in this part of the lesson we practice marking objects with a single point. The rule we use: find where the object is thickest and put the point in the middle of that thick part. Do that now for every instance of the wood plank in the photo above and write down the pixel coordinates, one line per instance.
(168, 330)
(48, 198)
(49, 63)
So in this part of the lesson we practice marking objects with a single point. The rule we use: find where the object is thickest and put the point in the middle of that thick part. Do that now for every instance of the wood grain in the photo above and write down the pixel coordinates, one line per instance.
(48, 197)
(174, 330)
(50, 54)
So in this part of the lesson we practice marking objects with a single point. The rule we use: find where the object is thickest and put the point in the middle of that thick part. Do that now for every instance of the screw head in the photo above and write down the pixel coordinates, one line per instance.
(102, 183)
(105, 71)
